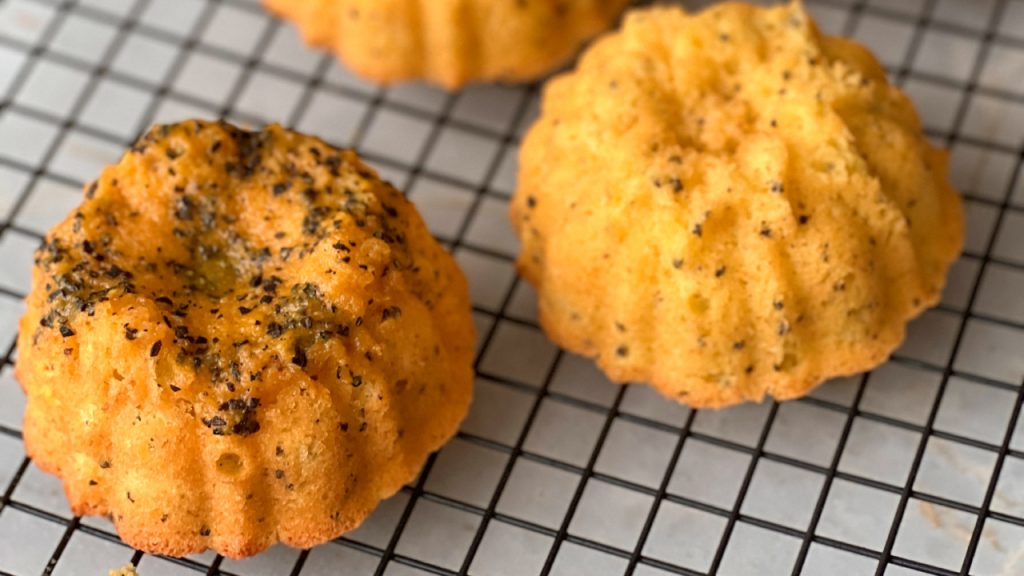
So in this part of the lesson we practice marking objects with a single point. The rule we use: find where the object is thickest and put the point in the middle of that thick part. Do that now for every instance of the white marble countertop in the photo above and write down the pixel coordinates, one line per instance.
(915, 468)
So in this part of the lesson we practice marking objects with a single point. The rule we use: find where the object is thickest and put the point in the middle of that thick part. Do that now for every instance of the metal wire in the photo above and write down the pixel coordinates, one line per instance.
(683, 431)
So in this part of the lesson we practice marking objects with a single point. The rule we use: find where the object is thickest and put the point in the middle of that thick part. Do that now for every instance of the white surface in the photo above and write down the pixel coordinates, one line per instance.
(572, 465)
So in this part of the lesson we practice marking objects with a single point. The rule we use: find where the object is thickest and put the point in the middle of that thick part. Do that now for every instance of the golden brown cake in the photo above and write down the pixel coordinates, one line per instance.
(240, 338)
(729, 204)
(450, 42)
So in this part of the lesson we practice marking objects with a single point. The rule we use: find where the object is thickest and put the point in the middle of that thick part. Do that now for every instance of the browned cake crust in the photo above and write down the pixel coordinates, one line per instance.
(240, 338)
(729, 204)
(450, 42)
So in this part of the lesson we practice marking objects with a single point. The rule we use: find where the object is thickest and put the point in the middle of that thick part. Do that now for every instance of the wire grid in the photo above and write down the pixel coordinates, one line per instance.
(915, 468)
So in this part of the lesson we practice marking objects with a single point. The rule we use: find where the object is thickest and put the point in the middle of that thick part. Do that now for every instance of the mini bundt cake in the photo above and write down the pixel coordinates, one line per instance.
(240, 338)
(450, 42)
(729, 204)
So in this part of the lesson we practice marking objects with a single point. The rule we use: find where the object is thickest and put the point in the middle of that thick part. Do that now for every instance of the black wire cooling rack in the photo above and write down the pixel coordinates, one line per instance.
(915, 468)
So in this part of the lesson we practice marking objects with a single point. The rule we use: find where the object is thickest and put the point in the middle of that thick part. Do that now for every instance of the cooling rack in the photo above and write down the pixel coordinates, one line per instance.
(915, 468)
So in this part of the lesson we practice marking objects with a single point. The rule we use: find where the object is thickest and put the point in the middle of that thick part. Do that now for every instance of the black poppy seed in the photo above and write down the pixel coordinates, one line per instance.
(300, 359)
(622, 351)
(246, 426)
(174, 388)
(778, 304)
(156, 348)
(531, 201)
(803, 219)
(739, 345)
(114, 272)
(215, 421)
(130, 333)
(183, 209)
(720, 272)
(244, 310)
(357, 381)
(777, 187)
(66, 331)
(698, 230)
